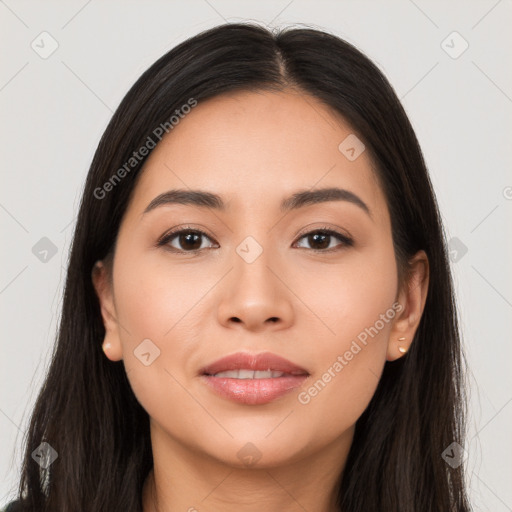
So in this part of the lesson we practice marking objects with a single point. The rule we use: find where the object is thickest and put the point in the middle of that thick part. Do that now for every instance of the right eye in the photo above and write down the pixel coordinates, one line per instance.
(189, 240)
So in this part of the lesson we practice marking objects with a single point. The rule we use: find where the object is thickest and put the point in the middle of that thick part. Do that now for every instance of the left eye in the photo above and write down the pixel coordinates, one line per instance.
(190, 240)
(323, 237)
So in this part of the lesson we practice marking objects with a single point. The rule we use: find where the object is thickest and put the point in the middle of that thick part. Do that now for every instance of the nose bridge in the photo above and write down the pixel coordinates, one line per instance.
(252, 266)
(256, 295)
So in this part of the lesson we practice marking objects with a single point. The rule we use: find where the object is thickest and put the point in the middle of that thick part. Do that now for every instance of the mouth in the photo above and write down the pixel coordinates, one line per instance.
(253, 374)
(253, 379)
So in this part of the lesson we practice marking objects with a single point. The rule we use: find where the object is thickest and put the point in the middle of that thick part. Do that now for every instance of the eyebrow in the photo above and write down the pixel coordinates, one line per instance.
(204, 199)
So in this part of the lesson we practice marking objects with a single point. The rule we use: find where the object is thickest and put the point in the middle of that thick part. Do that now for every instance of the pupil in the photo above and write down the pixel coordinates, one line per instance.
(315, 238)
(187, 237)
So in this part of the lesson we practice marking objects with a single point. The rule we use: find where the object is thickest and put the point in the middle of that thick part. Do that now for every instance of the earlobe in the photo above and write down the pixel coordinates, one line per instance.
(111, 344)
(397, 348)
(413, 297)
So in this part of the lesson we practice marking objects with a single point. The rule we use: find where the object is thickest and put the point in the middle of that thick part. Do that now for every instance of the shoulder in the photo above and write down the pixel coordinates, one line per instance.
(13, 506)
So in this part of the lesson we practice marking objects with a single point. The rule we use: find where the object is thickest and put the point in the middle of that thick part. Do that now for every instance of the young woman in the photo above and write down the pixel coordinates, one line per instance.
(258, 312)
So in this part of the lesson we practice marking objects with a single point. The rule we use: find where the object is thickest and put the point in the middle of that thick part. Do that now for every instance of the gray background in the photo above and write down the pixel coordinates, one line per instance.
(55, 109)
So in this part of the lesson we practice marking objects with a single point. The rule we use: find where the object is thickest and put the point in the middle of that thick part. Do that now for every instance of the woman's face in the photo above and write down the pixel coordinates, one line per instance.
(260, 281)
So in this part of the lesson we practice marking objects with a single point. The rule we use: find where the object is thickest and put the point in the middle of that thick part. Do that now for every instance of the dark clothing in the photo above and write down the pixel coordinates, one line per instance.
(13, 506)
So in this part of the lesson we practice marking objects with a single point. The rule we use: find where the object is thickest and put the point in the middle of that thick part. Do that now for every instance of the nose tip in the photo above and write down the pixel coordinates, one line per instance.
(255, 296)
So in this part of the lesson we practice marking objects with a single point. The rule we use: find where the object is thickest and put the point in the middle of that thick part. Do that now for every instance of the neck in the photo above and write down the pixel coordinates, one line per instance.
(187, 480)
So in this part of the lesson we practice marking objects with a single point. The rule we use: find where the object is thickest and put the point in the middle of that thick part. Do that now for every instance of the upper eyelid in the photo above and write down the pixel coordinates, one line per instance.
(169, 235)
(326, 229)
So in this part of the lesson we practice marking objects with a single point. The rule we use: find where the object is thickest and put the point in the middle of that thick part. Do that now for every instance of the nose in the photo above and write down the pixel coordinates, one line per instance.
(255, 295)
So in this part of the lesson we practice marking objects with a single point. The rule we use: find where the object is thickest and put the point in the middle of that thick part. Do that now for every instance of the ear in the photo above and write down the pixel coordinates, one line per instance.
(412, 298)
(101, 278)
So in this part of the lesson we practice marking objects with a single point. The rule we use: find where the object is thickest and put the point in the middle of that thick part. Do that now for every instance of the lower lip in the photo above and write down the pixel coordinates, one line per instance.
(254, 391)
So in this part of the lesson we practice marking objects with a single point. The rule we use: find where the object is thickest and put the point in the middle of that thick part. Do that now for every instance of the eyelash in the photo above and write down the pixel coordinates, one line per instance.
(166, 238)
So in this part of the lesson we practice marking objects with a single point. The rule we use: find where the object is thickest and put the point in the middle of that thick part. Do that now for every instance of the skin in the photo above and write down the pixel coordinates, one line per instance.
(254, 149)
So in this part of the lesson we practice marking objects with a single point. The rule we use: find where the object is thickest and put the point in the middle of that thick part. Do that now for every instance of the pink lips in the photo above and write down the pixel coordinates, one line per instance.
(253, 391)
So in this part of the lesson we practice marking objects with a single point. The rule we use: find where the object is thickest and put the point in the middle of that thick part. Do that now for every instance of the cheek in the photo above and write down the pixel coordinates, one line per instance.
(348, 365)
(152, 304)
(157, 304)
(348, 298)
(155, 298)
(355, 310)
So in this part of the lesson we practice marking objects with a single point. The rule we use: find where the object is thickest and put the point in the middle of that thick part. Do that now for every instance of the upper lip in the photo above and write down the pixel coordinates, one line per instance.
(257, 362)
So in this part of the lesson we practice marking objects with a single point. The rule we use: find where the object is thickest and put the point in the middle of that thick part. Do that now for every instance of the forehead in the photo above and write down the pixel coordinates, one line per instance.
(253, 148)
